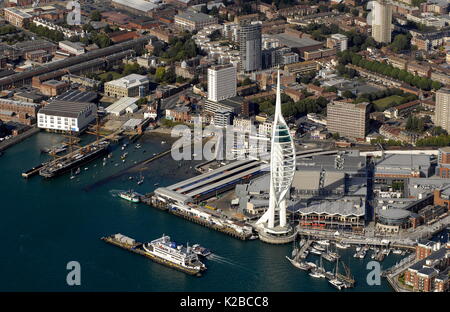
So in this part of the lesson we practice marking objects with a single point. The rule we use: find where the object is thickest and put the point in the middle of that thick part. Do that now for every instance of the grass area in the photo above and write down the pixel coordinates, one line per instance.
(114, 74)
(384, 103)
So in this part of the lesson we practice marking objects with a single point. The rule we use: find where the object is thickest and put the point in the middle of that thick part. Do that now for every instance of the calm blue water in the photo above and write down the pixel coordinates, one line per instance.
(47, 223)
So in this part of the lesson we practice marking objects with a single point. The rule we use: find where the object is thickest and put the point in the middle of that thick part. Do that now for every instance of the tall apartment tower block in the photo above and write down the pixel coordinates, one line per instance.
(348, 119)
(382, 21)
(250, 47)
(222, 82)
(442, 110)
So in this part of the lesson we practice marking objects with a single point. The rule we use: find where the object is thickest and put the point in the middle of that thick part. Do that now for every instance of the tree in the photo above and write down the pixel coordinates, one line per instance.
(348, 94)
(401, 42)
(159, 75)
(96, 16)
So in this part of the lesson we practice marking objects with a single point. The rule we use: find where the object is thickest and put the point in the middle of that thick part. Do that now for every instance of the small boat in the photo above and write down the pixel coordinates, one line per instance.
(342, 246)
(138, 145)
(130, 178)
(141, 180)
(358, 248)
(336, 283)
(324, 242)
(77, 171)
(86, 168)
(397, 251)
(109, 155)
(163, 142)
(201, 251)
(311, 264)
(156, 184)
(300, 265)
(315, 251)
(316, 273)
(318, 247)
(130, 196)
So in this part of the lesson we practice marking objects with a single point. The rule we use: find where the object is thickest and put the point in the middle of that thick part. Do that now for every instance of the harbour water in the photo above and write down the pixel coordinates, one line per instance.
(47, 223)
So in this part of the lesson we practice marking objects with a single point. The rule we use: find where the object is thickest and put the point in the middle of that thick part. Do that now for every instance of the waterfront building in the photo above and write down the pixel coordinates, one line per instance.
(430, 273)
(282, 170)
(442, 110)
(382, 21)
(18, 111)
(348, 119)
(221, 82)
(133, 85)
(122, 106)
(250, 45)
(66, 116)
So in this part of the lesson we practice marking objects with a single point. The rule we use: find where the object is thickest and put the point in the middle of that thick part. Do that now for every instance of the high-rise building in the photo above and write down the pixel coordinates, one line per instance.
(221, 82)
(250, 44)
(282, 170)
(442, 110)
(348, 119)
(382, 21)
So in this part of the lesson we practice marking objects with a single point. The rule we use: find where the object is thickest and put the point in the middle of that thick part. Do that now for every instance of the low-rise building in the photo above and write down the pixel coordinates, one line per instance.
(123, 106)
(193, 20)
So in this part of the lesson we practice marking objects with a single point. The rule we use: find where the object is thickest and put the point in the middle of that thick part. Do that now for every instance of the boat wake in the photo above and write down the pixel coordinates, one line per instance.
(226, 261)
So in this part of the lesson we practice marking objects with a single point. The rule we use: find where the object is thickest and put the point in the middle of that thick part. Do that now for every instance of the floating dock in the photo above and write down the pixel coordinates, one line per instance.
(33, 171)
(136, 247)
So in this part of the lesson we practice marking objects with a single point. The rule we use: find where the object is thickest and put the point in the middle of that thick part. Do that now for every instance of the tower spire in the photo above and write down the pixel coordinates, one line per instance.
(278, 98)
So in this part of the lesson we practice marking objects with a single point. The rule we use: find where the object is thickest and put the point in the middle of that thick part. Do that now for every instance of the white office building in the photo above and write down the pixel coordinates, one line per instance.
(221, 82)
(66, 116)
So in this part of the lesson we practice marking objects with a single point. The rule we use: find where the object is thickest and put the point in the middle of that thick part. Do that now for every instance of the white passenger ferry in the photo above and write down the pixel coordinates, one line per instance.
(172, 254)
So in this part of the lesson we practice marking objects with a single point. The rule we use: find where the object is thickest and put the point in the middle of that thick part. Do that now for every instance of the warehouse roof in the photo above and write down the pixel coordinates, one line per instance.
(122, 104)
(195, 17)
(66, 109)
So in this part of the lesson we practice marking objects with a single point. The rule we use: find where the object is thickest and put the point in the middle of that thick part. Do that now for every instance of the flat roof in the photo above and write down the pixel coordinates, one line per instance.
(65, 109)
(140, 5)
(195, 17)
(295, 42)
(129, 81)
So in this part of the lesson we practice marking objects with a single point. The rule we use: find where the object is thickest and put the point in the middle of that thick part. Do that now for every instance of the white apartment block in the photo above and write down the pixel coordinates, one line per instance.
(222, 82)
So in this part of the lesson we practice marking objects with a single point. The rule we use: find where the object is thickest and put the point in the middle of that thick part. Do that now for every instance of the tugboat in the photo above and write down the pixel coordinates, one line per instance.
(130, 196)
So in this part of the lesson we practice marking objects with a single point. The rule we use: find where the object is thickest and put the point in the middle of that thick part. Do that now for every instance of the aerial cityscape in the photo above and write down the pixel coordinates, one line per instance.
(225, 146)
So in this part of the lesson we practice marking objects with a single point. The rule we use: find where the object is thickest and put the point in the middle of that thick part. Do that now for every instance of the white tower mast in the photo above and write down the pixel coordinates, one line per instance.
(282, 169)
